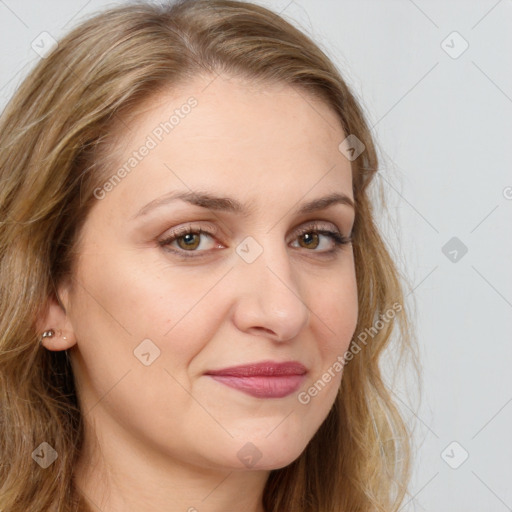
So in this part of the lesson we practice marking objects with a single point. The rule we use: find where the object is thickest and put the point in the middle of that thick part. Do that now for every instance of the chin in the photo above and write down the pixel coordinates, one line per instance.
(267, 454)
(277, 462)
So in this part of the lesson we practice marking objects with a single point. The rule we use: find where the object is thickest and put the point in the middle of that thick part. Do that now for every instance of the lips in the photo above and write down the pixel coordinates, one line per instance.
(267, 379)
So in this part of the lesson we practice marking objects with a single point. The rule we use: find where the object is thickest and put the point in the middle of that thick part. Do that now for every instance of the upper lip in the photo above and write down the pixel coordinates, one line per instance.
(262, 369)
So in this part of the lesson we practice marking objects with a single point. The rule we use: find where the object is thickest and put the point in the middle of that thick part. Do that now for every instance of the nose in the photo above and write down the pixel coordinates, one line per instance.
(268, 298)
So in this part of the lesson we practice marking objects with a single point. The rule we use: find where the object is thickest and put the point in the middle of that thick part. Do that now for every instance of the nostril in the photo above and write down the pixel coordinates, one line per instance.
(270, 331)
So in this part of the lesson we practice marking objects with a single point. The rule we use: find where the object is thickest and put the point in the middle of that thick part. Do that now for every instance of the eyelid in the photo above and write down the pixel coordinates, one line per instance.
(316, 224)
(209, 229)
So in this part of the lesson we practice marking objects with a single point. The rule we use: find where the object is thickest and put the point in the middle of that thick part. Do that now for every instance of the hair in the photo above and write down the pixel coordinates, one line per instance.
(56, 135)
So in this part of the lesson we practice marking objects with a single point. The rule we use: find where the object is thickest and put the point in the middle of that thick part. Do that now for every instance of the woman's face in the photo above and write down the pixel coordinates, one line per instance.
(264, 282)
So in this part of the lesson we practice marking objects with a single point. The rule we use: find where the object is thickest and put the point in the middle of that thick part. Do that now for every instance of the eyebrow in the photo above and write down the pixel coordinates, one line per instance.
(227, 204)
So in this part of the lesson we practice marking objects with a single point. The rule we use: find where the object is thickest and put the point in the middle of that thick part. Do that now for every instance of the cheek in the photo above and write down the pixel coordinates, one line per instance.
(116, 311)
(123, 302)
(335, 312)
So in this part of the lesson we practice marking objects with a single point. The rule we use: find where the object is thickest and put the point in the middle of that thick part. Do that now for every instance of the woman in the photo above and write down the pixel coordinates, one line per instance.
(194, 295)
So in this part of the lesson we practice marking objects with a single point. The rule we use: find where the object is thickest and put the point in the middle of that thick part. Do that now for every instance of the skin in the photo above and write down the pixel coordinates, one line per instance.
(168, 434)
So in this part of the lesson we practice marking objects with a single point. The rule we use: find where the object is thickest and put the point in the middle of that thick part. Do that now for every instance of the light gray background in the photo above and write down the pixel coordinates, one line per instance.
(443, 126)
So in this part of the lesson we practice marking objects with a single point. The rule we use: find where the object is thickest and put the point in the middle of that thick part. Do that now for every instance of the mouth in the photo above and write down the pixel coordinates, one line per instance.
(267, 379)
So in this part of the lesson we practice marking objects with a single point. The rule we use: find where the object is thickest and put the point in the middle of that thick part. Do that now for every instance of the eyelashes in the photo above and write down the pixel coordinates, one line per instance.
(187, 239)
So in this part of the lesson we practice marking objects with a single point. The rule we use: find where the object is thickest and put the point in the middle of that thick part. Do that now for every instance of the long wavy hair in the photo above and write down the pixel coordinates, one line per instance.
(57, 135)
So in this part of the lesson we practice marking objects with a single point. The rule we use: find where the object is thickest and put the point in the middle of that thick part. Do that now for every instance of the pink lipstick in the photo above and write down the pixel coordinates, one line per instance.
(267, 379)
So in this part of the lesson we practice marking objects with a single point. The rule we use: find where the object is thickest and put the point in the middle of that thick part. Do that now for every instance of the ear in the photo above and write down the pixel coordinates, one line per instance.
(57, 318)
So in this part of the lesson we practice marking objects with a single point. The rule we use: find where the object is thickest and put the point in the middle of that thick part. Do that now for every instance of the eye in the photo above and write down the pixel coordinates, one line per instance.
(310, 237)
(187, 241)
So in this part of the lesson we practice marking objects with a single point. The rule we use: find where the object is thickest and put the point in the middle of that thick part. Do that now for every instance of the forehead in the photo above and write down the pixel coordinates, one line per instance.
(232, 132)
(238, 110)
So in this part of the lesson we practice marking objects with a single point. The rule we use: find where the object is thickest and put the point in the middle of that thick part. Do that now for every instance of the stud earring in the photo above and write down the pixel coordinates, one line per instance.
(50, 333)
(47, 334)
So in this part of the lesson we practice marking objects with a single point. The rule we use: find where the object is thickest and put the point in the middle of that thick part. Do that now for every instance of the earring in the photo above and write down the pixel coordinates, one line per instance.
(50, 333)
(47, 334)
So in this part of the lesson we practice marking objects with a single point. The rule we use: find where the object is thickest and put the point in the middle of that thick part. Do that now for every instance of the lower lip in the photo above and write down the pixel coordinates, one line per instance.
(263, 387)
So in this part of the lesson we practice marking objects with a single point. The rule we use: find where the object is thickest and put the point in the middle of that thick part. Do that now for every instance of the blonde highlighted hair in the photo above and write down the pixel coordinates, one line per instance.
(56, 135)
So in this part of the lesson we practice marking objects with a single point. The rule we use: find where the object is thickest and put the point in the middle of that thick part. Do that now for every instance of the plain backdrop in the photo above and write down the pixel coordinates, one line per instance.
(435, 81)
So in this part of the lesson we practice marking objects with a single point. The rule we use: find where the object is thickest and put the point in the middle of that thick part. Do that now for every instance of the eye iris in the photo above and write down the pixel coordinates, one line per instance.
(189, 238)
(309, 237)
